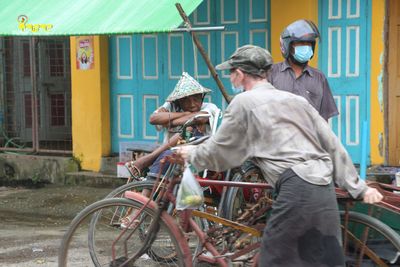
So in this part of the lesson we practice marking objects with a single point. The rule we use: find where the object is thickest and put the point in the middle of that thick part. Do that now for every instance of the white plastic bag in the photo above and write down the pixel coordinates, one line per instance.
(190, 195)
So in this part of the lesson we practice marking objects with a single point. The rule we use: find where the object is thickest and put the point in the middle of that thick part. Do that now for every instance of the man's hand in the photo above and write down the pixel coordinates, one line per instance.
(372, 196)
(185, 151)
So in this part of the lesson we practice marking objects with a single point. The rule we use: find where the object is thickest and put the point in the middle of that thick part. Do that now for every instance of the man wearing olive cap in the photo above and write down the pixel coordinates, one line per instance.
(298, 154)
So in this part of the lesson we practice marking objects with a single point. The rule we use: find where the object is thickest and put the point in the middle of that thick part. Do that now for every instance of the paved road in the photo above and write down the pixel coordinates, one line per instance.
(32, 221)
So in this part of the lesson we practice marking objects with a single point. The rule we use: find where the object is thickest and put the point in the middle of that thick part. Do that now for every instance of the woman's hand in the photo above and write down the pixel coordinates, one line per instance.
(372, 196)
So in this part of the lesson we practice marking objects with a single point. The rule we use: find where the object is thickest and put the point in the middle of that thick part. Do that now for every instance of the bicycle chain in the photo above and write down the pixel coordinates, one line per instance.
(235, 239)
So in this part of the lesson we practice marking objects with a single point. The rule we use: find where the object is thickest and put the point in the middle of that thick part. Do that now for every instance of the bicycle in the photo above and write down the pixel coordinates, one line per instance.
(138, 184)
(165, 241)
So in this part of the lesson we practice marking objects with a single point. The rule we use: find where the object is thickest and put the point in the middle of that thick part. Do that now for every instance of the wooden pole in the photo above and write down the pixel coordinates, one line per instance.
(203, 53)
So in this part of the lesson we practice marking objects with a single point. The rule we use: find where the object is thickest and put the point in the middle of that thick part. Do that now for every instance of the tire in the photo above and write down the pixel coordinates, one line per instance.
(381, 240)
(137, 187)
(119, 193)
(108, 211)
(238, 198)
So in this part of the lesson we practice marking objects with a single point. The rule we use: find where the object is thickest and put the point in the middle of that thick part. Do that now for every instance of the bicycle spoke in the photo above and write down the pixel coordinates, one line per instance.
(112, 246)
(369, 242)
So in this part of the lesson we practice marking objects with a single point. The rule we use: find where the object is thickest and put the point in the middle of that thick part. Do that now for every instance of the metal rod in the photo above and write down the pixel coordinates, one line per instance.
(16, 149)
(66, 152)
(199, 29)
(203, 53)
(364, 147)
(2, 86)
(207, 182)
(35, 118)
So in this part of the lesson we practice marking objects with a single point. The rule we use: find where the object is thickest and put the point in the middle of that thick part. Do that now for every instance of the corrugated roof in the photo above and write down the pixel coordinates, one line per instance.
(90, 17)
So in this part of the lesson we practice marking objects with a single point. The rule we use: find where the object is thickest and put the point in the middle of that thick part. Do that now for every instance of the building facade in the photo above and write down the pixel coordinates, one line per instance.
(133, 74)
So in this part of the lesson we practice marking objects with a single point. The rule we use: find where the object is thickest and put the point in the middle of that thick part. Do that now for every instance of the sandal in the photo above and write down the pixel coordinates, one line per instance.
(133, 169)
(127, 223)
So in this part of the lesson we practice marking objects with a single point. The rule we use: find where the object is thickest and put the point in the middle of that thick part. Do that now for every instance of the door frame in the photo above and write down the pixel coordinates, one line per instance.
(367, 103)
(391, 140)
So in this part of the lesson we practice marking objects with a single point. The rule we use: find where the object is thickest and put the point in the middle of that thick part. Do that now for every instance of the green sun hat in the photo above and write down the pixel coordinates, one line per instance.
(186, 86)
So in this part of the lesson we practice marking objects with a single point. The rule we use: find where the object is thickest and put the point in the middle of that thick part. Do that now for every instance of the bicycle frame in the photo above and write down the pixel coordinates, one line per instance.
(166, 196)
(391, 201)
(216, 256)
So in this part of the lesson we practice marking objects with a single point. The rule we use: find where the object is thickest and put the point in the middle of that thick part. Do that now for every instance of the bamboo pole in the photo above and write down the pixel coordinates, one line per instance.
(203, 53)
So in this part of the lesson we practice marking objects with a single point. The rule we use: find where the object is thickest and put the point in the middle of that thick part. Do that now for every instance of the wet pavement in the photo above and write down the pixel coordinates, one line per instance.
(33, 221)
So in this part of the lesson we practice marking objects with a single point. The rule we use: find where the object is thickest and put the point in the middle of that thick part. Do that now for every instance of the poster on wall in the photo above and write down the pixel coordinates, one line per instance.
(84, 53)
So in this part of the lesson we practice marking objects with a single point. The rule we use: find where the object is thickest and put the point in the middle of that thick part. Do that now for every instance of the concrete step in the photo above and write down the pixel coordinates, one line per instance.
(108, 165)
(93, 179)
(38, 168)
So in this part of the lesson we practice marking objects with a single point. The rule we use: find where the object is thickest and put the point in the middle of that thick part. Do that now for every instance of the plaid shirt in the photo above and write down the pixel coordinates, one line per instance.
(279, 130)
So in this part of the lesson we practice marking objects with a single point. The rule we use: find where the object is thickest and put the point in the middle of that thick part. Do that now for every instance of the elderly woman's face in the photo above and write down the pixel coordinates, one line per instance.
(191, 103)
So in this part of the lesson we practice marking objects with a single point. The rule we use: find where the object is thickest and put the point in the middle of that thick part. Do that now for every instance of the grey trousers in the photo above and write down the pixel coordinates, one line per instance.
(304, 226)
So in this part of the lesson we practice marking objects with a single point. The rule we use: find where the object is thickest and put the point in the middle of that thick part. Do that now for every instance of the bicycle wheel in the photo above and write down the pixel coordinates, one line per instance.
(238, 199)
(369, 242)
(119, 193)
(168, 240)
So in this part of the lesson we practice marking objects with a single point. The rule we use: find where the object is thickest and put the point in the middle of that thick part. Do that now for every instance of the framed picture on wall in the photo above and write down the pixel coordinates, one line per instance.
(84, 53)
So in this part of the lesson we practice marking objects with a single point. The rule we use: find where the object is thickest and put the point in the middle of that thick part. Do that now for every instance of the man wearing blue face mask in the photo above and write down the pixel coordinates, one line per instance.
(297, 44)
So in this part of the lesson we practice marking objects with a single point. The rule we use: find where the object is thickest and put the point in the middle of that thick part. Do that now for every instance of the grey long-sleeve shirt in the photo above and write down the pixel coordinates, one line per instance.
(279, 130)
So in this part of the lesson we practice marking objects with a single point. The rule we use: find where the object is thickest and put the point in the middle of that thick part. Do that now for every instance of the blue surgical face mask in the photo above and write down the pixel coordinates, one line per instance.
(237, 90)
(303, 53)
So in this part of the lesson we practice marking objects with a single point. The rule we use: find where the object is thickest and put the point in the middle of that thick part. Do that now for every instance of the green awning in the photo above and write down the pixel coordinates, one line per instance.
(90, 17)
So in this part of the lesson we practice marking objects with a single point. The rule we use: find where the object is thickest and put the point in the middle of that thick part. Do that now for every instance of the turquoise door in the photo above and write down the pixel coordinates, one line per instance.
(343, 57)
(145, 68)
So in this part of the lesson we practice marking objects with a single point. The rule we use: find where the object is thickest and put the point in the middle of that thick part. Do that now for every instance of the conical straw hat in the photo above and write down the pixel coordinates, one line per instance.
(186, 86)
